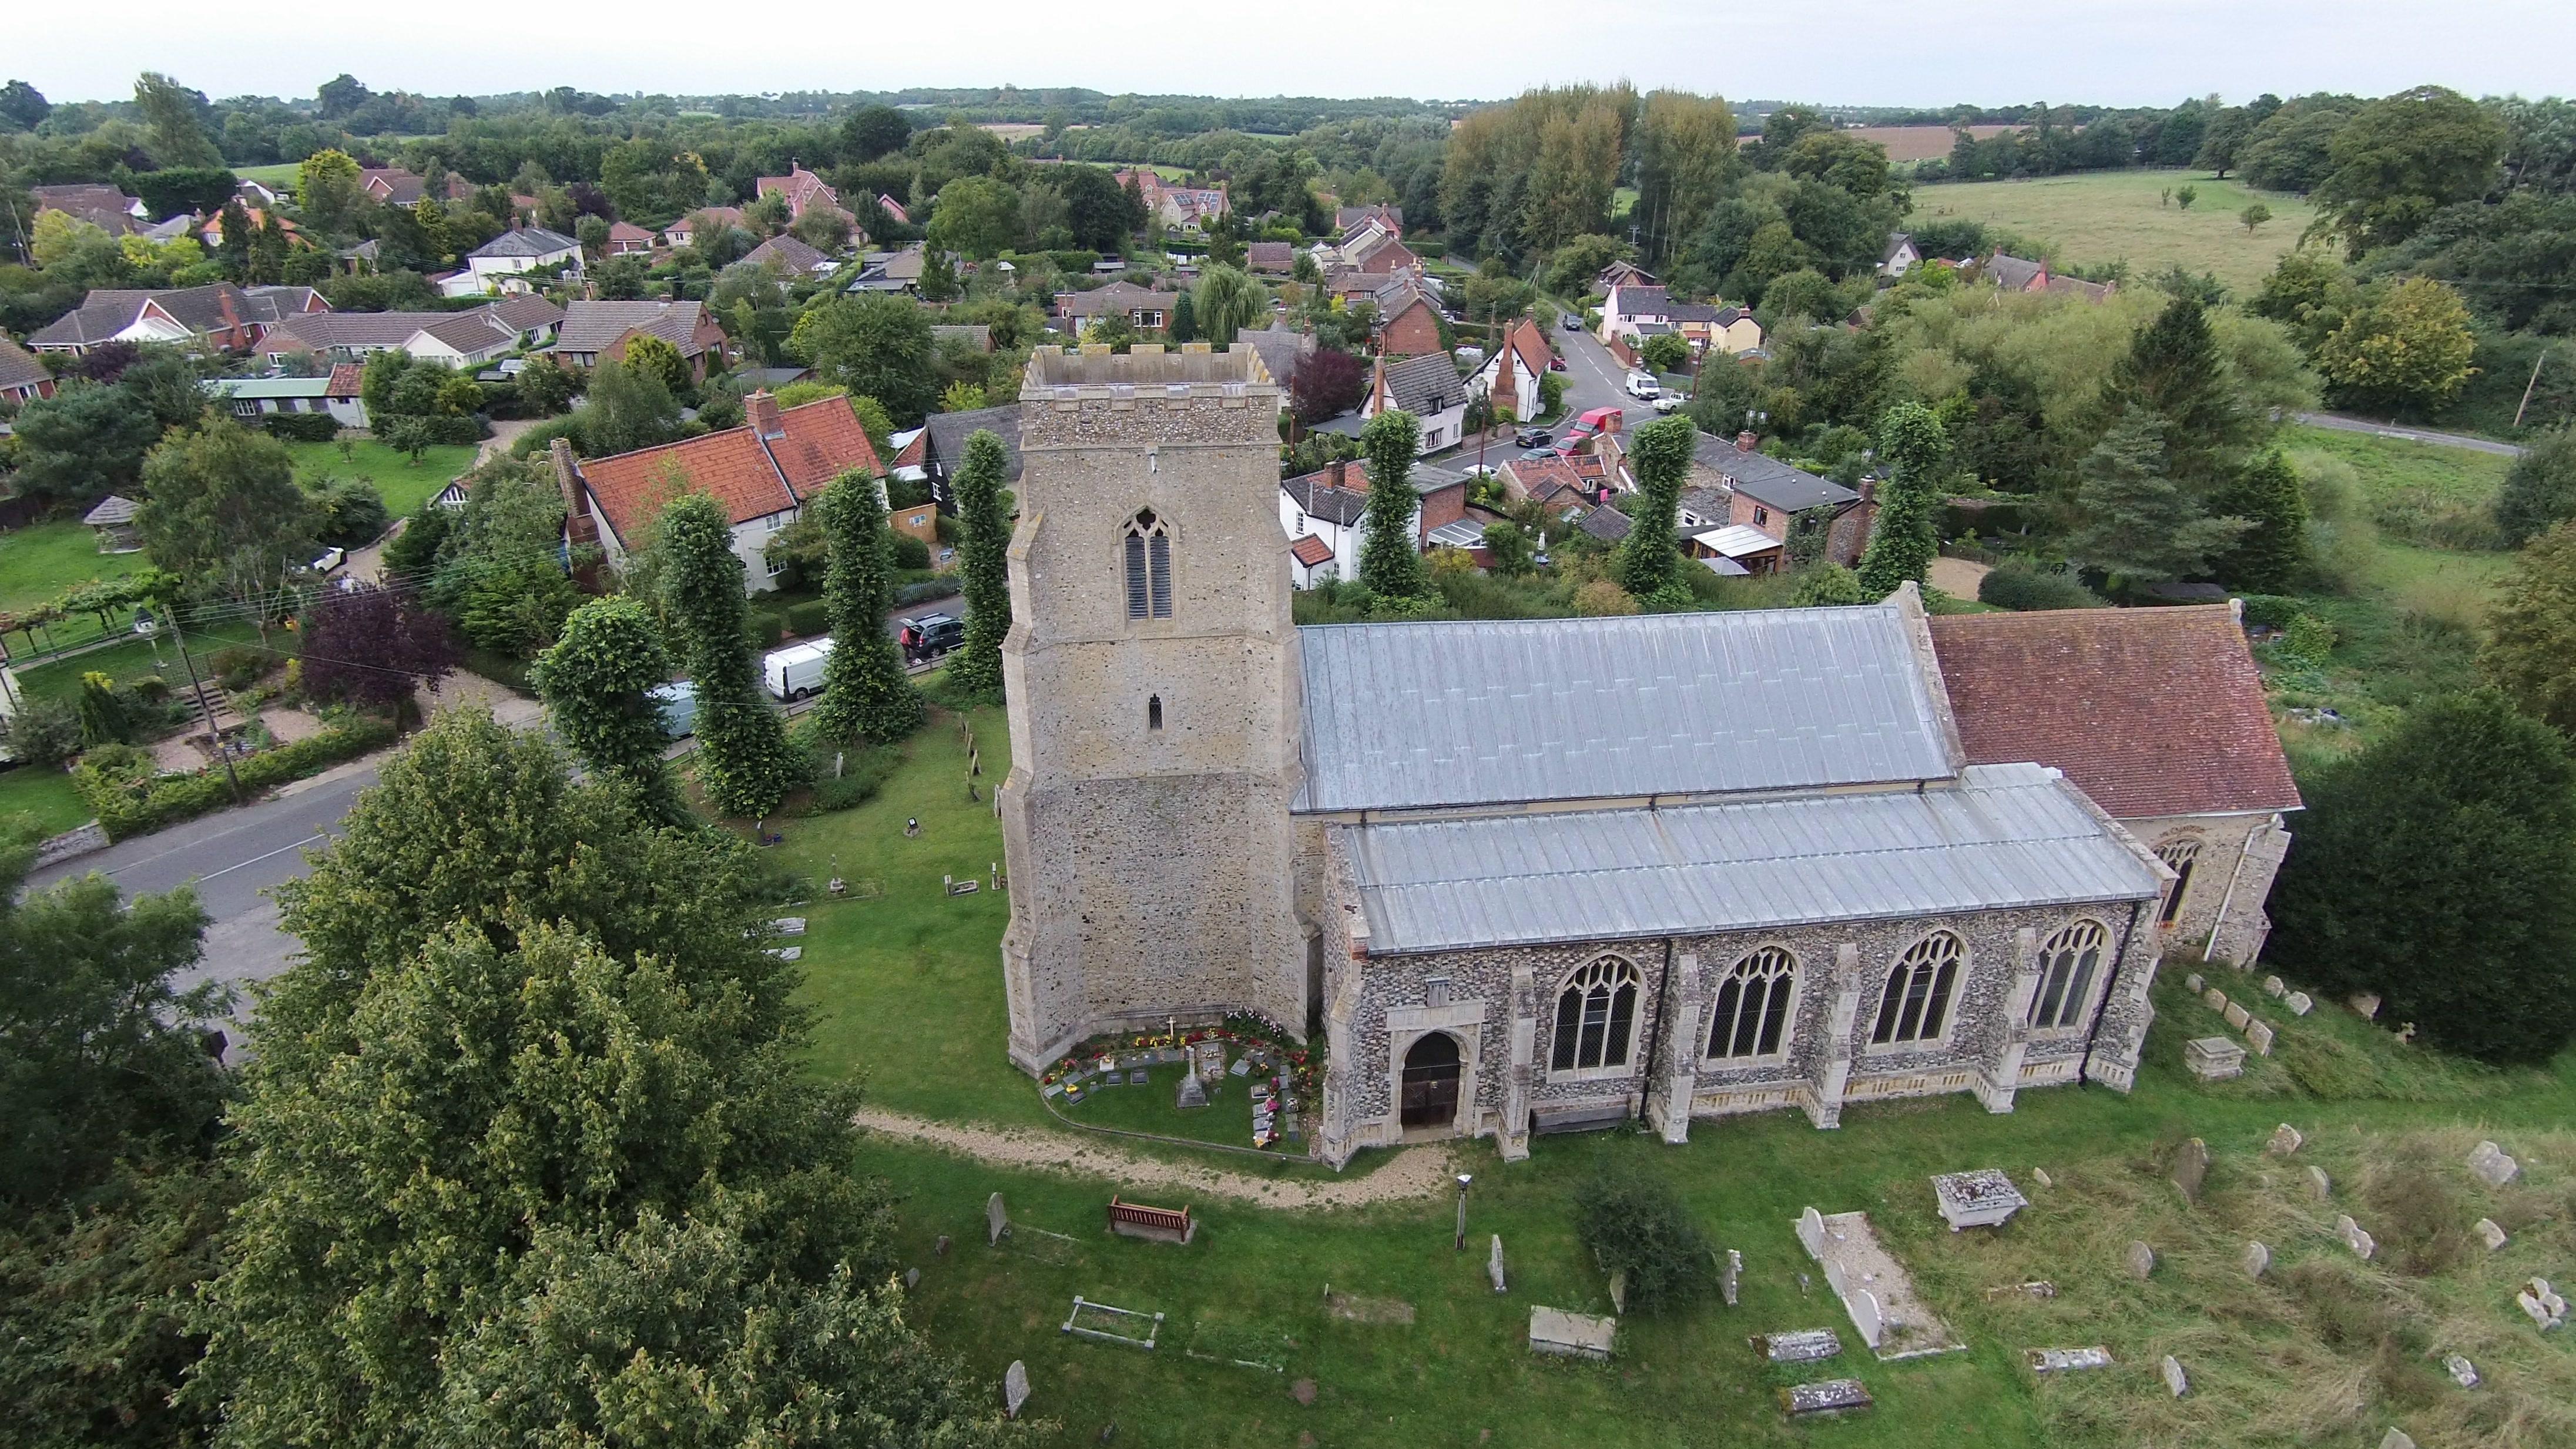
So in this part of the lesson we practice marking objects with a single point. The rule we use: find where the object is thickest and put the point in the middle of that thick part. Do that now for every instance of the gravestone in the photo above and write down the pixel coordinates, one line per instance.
(1571, 1335)
(939, 1249)
(2194, 984)
(997, 1220)
(911, 1279)
(2300, 1003)
(1192, 1094)
(1242, 1067)
(1015, 1389)
(1866, 1317)
(2066, 1360)
(1832, 1396)
(2215, 999)
(2274, 987)
(2552, 1309)
(2355, 1237)
(2365, 1004)
(788, 926)
(1729, 1277)
(1137, 1077)
(2213, 1058)
(2255, 1259)
(2491, 1165)
(1619, 1291)
(2190, 1168)
(2175, 1382)
(1303, 1391)
(2237, 1016)
(2490, 1233)
(2040, 1175)
(1804, 1345)
(2260, 1036)
(2041, 1290)
(788, 953)
(2396, 1439)
(2320, 1186)
(1985, 1198)
(2141, 1260)
(2286, 1139)
(1811, 1232)
(2463, 1372)
(1494, 1263)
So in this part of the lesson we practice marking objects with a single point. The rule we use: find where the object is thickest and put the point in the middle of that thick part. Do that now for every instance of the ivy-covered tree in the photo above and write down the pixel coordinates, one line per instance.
(2438, 869)
(597, 681)
(744, 761)
(1904, 539)
(867, 697)
(983, 564)
(1650, 563)
(1390, 556)
(2268, 557)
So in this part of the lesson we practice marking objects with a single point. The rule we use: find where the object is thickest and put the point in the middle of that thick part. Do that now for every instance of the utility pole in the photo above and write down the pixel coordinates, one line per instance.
(197, 686)
(2528, 386)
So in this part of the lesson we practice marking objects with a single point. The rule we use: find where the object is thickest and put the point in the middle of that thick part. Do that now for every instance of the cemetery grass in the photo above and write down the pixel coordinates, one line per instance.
(2097, 217)
(403, 486)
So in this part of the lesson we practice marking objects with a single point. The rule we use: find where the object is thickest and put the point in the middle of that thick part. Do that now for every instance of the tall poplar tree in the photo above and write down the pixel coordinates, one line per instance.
(866, 695)
(744, 760)
(983, 558)
(1390, 556)
(1904, 539)
(1650, 564)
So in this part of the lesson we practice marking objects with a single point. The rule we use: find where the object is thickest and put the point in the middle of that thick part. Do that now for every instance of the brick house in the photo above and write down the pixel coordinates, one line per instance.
(1766, 497)
(1408, 323)
(1145, 310)
(704, 222)
(593, 330)
(217, 317)
(22, 377)
(2014, 274)
(1330, 505)
(626, 239)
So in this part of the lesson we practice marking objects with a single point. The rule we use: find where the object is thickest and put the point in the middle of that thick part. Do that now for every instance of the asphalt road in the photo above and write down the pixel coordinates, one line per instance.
(1594, 378)
(2336, 422)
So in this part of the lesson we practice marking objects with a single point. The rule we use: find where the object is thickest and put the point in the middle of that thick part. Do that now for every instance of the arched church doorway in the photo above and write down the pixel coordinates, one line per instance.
(1430, 1083)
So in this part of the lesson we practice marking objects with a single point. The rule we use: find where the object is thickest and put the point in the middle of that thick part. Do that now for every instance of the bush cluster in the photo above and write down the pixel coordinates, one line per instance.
(130, 802)
(302, 427)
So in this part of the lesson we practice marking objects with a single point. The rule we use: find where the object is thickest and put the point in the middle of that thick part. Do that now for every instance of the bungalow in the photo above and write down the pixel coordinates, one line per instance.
(626, 239)
(392, 185)
(1330, 506)
(1767, 497)
(217, 317)
(593, 330)
(1148, 311)
(1271, 258)
(1511, 376)
(792, 256)
(1553, 482)
(898, 271)
(22, 377)
(1900, 256)
(457, 339)
(102, 206)
(762, 473)
(687, 231)
(1427, 387)
(251, 398)
(501, 264)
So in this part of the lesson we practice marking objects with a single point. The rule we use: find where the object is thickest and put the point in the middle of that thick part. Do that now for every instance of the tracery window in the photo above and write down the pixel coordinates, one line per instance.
(2181, 855)
(1596, 1017)
(2068, 962)
(1149, 567)
(1753, 1005)
(1916, 1004)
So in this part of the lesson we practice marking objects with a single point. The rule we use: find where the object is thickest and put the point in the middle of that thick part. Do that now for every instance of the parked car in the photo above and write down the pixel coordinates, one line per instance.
(1572, 321)
(1668, 403)
(678, 703)
(796, 671)
(1532, 438)
(331, 559)
(934, 635)
(1556, 362)
(1643, 385)
(1546, 451)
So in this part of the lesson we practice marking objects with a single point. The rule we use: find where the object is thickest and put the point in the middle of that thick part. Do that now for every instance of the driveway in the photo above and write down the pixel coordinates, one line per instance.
(2337, 422)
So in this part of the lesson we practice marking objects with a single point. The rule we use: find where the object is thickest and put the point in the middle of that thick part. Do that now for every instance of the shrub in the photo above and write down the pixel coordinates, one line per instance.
(302, 427)
(765, 627)
(2310, 638)
(1601, 597)
(910, 552)
(237, 669)
(808, 619)
(2274, 610)
(2020, 587)
(863, 772)
(1828, 583)
(43, 733)
(350, 513)
(1635, 1224)
(129, 800)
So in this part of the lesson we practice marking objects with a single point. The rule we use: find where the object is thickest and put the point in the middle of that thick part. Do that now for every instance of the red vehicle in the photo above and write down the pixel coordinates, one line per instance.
(1600, 420)
(1556, 362)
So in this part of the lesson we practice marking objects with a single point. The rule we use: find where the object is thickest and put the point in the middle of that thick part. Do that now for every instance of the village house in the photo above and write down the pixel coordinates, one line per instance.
(1348, 218)
(763, 473)
(217, 317)
(211, 235)
(591, 331)
(626, 239)
(2014, 274)
(1510, 377)
(101, 205)
(1900, 256)
(1372, 248)
(456, 339)
(792, 256)
(1330, 506)
(894, 210)
(1427, 387)
(702, 223)
(1271, 258)
(1765, 499)
(392, 185)
(1408, 321)
(1146, 310)
(22, 377)
(1623, 274)
(804, 191)
(897, 271)
(1177, 207)
(502, 264)
(253, 398)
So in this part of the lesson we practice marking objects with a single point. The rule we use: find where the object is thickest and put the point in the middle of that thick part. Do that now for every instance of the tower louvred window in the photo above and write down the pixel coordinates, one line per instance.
(1149, 568)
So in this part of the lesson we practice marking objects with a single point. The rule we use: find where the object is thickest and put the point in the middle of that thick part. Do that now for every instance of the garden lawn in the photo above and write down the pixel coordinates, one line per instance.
(43, 561)
(2097, 217)
(47, 795)
(283, 173)
(403, 486)
(132, 659)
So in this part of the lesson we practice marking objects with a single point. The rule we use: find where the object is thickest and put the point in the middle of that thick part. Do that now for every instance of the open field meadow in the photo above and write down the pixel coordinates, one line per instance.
(2098, 217)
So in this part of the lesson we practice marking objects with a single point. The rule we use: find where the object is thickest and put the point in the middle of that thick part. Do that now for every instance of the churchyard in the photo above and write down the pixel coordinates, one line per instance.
(1362, 1325)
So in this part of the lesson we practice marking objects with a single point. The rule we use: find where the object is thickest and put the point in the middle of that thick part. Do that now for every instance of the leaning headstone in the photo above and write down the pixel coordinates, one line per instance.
(2355, 1237)
(1494, 1263)
(2365, 1004)
(2255, 1259)
(2190, 1168)
(939, 1249)
(2213, 1058)
(1803, 1345)
(1619, 1291)
(2274, 987)
(2237, 1016)
(2490, 1233)
(2040, 1175)
(2286, 1139)
(2396, 1439)
(2463, 1372)
(2320, 1186)
(2066, 1360)
(2491, 1165)
(2141, 1260)
(1015, 1389)
(2215, 999)
(1811, 1232)
(911, 1279)
(2194, 984)
(2260, 1036)
(2300, 1003)
(1832, 1396)
(1866, 1317)
(1730, 1276)
(2175, 1382)
(997, 1220)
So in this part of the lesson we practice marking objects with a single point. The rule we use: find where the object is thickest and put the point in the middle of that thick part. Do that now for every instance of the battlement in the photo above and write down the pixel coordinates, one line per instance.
(1148, 370)
(1147, 398)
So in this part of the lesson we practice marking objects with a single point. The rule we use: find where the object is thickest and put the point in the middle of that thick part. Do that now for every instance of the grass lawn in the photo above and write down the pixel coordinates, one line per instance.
(403, 485)
(42, 561)
(48, 795)
(283, 173)
(61, 678)
(2106, 216)
(2324, 1349)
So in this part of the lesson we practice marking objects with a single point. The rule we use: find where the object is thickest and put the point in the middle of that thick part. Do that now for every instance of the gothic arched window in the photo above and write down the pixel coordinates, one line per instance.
(1596, 1015)
(2181, 854)
(2067, 963)
(1753, 1005)
(1149, 567)
(1916, 1004)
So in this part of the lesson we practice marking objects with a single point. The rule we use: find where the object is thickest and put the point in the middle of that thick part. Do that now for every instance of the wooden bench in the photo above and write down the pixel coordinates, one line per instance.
(1163, 1225)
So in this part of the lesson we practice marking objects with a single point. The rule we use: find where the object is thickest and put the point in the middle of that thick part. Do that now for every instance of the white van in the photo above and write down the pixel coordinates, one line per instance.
(796, 671)
(1643, 385)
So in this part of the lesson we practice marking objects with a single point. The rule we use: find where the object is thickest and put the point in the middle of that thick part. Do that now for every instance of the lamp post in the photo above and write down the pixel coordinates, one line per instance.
(1461, 1244)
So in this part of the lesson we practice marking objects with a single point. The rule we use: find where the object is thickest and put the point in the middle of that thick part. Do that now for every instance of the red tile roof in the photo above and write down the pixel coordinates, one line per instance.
(1311, 550)
(2151, 712)
(344, 380)
(750, 476)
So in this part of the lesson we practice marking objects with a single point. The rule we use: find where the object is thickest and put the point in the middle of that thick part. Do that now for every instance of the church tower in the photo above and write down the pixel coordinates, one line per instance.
(1153, 681)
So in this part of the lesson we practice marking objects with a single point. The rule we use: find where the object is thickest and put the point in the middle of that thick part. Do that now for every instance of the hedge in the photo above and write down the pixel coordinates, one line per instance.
(129, 807)
(302, 427)
(809, 618)
(2018, 586)
(924, 591)
(2276, 610)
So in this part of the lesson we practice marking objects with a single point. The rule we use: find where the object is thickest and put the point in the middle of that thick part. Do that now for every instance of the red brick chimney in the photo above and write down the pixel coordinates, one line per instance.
(579, 527)
(761, 411)
(1747, 441)
(1333, 472)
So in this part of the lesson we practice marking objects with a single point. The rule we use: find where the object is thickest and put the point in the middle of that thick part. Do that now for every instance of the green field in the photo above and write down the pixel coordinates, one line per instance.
(2114, 216)
(403, 485)
(281, 174)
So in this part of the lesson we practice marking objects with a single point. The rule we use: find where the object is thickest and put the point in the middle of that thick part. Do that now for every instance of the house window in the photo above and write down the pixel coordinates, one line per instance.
(1154, 712)
(1596, 1016)
(2181, 855)
(1753, 1005)
(1761, 516)
(1149, 568)
(2067, 963)
(1916, 1004)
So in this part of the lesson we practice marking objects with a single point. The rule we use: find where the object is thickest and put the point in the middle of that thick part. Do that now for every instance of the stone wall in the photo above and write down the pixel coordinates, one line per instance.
(2239, 855)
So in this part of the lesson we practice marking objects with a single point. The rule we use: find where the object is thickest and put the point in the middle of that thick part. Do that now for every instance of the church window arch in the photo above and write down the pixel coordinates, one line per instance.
(2069, 963)
(2181, 853)
(1147, 550)
(1752, 1015)
(1915, 1006)
(1596, 1017)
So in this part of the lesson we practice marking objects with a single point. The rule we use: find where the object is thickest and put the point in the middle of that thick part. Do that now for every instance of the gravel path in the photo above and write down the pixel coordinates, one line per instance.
(1416, 1171)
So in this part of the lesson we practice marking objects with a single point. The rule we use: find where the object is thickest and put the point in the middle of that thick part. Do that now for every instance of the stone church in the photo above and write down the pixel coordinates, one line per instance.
(1536, 875)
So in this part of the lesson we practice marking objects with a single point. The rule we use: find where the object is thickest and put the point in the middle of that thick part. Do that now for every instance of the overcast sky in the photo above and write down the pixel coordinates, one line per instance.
(1835, 51)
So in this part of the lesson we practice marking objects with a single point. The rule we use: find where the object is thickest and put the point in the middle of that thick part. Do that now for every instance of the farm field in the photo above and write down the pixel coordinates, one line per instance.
(2112, 216)
(1908, 144)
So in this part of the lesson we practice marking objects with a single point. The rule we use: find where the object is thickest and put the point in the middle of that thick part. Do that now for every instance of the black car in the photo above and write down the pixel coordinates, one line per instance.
(1532, 438)
(933, 635)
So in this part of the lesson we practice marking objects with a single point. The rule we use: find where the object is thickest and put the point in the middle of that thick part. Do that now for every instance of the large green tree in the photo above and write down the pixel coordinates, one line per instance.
(977, 216)
(2540, 490)
(2176, 369)
(330, 190)
(2269, 557)
(876, 346)
(2405, 157)
(174, 115)
(2133, 521)
(85, 442)
(2530, 650)
(1228, 299)
(983, 562)
(1904, 540)
(597, 681)
(1390, 556)
(2438, 869)
(1650, 564)
(867, 698)
(2407, 346)
(744, 761)
(223, 513)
